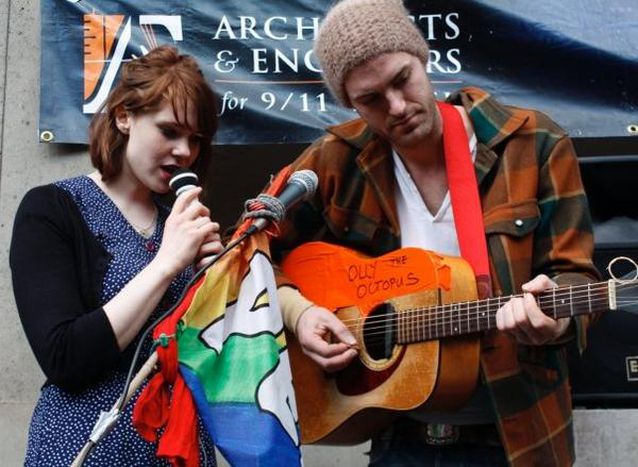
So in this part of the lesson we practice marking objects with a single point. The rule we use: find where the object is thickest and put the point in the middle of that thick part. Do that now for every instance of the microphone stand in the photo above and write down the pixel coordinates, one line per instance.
(107, 420)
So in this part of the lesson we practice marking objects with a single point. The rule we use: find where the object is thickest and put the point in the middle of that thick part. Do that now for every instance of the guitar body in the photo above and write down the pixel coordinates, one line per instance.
(349, 406)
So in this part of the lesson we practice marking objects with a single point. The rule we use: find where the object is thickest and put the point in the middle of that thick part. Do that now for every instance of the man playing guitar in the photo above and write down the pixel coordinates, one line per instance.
(386, 182)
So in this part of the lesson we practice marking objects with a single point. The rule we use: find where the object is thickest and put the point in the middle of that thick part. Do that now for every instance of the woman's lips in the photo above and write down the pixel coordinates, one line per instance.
(167, 171)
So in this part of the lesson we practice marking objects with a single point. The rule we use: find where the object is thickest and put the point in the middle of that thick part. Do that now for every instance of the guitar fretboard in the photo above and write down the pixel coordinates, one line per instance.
(455, 319)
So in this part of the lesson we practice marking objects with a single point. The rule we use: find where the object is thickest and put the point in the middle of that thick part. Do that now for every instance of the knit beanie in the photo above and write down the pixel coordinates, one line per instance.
(355, 31)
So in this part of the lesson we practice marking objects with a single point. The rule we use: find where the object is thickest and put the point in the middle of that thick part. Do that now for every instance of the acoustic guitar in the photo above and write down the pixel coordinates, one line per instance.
(416, 319)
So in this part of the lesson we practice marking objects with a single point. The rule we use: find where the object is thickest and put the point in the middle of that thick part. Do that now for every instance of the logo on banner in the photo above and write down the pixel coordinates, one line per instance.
(106, 39)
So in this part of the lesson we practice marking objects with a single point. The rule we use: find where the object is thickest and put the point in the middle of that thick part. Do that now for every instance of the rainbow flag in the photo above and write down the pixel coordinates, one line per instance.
(232, 354)
(222, 353)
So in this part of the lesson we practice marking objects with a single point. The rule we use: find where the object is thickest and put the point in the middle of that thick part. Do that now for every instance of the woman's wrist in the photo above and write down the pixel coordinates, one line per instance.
(164, 268)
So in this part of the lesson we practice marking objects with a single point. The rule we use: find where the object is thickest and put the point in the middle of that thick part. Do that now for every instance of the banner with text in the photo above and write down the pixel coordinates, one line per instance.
(577, 60)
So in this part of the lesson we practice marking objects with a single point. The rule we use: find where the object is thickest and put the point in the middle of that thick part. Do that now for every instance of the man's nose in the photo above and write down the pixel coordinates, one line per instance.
(396, 103)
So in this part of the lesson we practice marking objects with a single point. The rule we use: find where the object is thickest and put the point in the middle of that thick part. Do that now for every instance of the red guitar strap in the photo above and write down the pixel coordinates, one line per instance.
(464, 197)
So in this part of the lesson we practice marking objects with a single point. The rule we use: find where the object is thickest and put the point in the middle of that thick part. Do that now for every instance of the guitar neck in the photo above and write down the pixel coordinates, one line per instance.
(455, 319)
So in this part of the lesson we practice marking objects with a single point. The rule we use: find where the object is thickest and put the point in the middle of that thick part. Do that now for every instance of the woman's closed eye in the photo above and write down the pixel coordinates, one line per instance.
(169, 132)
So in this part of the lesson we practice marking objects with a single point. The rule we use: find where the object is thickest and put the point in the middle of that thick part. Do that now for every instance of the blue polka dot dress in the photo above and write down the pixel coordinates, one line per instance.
(63, 421)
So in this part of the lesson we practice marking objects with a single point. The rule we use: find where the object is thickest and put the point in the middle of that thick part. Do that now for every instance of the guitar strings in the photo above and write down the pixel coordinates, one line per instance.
(428, 329)
(420, 324)
(435, 328)
(484, 309)
(547, 300)
(490, 302)
(439, 325)
(448, 313)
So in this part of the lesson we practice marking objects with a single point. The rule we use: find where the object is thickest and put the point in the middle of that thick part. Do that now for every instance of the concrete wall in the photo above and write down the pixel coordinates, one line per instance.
(25, 163)
(604, 437)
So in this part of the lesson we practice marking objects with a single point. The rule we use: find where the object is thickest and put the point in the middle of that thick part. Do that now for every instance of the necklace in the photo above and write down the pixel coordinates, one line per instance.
(146, 232)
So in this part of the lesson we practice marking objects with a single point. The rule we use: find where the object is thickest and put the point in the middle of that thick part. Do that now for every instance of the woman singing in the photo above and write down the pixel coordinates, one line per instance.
(96, 258)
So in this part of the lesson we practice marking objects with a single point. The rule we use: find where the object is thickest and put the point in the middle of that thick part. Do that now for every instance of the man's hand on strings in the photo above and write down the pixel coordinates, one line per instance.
(325, 339)
(523, 319)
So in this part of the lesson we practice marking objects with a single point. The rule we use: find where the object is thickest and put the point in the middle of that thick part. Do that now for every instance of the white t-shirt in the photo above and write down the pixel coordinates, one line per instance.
(420, 228)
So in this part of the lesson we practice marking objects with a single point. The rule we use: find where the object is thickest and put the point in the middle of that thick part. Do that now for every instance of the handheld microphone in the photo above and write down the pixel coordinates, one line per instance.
(300, 187)
(182, 181)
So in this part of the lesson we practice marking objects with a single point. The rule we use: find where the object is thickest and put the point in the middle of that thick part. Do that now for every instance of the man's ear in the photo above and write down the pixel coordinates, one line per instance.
(123, 120)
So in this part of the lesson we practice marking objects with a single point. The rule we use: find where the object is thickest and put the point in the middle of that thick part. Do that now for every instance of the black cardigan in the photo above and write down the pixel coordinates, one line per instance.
(57, 268)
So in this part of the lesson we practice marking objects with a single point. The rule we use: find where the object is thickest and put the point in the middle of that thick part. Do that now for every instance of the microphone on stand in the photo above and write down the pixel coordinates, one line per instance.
(301, 185)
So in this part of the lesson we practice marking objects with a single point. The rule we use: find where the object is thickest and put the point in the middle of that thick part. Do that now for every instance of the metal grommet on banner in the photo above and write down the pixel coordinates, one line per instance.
(633, 129)
(47, 136)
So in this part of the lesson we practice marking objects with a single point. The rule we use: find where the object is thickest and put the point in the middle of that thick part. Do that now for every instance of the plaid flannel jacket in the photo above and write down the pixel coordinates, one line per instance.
(536, 221)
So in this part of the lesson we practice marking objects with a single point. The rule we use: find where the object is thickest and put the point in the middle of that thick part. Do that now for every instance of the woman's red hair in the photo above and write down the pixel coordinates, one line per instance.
(146, 83)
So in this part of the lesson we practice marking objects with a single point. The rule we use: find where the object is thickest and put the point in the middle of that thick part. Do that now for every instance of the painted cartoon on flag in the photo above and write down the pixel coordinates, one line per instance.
(232, 354)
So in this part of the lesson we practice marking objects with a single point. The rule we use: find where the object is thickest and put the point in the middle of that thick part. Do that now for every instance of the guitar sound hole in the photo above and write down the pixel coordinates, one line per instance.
(379, 332)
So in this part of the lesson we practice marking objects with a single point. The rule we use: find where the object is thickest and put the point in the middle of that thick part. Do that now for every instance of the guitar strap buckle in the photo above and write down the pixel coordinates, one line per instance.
(441, 434)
